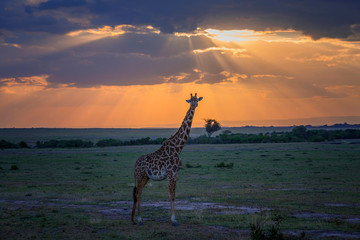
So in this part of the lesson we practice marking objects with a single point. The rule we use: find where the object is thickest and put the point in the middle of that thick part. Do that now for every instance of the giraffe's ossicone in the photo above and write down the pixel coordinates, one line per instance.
(165, 163)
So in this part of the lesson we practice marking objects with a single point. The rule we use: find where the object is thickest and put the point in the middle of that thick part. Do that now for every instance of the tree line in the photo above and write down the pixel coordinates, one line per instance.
(78, 143)
(298, 134)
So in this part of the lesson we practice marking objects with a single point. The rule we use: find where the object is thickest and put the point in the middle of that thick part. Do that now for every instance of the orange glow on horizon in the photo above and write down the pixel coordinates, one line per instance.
(161, 106)
(266, 75)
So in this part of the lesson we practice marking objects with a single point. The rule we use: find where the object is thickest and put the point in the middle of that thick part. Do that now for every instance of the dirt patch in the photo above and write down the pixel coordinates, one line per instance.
(322, 234)
(314, 215)
(290, 189)
(191, 206)
(342, 205)
(353, 220)
(121, 210)
(124, 207)
(327, 216)
(201, 206)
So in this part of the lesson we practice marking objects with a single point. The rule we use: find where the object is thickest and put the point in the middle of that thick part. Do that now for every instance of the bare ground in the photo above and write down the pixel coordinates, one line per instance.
(120, 210)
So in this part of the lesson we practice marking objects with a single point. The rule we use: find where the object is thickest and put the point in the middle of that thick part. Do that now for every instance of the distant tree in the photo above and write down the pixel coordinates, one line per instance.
(23, 144)
(299, 131)
(5, 144)
(211, 126)
(226, 132)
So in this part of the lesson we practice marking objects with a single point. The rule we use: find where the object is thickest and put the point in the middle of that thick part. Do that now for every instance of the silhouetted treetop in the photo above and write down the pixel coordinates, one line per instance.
(211, 126)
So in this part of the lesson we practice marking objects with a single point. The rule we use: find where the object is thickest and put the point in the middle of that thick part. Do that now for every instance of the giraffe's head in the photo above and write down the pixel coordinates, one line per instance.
(194, 100)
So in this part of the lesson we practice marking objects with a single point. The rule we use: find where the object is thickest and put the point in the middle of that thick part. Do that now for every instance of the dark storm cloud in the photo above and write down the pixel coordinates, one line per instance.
(129, 59)
(29, 33)
(154, 45)
(15, 16)
(110, 69)
(321, 18)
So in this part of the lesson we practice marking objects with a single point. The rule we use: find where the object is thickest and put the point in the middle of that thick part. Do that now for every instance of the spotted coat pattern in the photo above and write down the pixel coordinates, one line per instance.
(164, 163)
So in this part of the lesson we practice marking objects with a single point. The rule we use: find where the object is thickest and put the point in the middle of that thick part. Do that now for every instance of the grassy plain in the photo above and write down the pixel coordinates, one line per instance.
(87, 193)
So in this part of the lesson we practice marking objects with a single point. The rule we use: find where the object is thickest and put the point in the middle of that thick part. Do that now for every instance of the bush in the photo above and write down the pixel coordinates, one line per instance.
(64, 144)
(23, 144)
(5, 144)
(224, 165)
(188, 165)
(116, 142)
(14, 167)
(258, 231)
(298, 134)
(109, 142)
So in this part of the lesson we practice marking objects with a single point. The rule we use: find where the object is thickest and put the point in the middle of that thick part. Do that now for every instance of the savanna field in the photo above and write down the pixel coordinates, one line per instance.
(301, 190)
(260, 100)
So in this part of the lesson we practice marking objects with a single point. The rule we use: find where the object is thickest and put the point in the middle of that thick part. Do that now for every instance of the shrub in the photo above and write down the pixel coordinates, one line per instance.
(109, 142)
(64, 144)
(258, 231)
(5, 144)
(14, 167)
(224, 165)
(116, 142)
(188, 165)
(23, 144)
(298, 134)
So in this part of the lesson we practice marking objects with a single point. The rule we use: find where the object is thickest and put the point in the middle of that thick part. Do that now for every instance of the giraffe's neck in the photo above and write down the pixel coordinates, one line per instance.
(179, 139)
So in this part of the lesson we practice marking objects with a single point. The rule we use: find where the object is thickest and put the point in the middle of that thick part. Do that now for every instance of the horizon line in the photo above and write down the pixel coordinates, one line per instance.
(314, 121)
(144, 128)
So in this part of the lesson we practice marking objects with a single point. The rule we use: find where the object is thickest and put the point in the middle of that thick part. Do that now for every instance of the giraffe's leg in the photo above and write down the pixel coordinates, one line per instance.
(172, 187)
(140, 186)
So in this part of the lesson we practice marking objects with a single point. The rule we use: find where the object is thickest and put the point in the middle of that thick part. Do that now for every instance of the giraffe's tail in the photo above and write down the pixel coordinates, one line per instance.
(134, 194)
(134, 205)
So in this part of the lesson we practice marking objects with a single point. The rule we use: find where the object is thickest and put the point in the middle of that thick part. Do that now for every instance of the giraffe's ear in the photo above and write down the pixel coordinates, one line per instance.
(189, 101)
(200, 98)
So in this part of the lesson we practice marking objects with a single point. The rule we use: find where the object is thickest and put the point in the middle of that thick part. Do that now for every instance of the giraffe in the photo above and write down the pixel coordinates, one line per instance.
(164, 163)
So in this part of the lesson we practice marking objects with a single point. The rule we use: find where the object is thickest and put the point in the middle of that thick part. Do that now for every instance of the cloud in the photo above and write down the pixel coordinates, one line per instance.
(34, 2)
(142, 55)
(318, 19)
(120, 55)
(344, 90)
(105, 63)
(23, 85)
(221, 49)
(93, 43)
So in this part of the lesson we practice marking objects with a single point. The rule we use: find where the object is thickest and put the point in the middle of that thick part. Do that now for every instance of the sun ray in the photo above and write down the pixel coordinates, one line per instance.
(269, 75)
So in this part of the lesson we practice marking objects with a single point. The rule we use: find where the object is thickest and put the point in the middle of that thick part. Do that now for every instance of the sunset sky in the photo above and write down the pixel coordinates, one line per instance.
(113, 63)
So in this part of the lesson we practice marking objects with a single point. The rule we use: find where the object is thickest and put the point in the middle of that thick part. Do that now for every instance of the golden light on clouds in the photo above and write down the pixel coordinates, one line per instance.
(239, 36)
(162, 105)
(24, 85)
(222, 49)
(108, 31)
(81, 37)
(245, 77)
(11, 44)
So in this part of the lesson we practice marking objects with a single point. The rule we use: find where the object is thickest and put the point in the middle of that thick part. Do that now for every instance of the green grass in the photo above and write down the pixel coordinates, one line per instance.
(65, 190)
